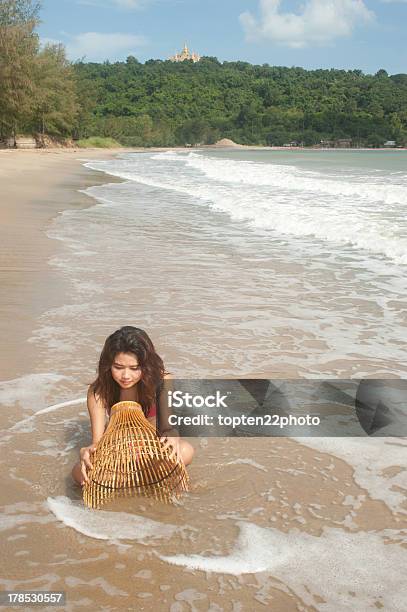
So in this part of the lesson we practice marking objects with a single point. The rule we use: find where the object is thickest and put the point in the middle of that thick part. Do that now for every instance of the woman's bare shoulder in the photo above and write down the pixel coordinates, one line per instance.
(94, 400)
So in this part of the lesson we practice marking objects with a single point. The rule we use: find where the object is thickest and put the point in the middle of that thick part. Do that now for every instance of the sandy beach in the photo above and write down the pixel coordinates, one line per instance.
(36, 186)
(283, 524)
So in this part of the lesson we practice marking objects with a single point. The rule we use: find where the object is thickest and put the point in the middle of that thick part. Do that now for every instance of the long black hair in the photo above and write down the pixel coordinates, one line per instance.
(129, 340)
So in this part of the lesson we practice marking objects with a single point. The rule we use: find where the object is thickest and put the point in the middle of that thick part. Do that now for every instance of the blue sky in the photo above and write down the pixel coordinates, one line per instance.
(365, 34)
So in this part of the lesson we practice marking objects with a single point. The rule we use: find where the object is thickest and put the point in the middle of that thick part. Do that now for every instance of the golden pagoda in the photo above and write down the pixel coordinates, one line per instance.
(185, 55)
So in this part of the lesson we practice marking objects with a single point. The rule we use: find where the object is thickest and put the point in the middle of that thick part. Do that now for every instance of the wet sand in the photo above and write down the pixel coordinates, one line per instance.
(269, 523)
(36, 186)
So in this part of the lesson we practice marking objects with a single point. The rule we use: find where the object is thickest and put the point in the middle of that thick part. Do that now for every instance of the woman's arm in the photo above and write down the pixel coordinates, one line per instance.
(163, 410)
(169, 436)
(97, 416)
(97, 420)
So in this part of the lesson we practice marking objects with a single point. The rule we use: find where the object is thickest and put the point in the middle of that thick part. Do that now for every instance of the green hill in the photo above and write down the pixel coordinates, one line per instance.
(161, 103)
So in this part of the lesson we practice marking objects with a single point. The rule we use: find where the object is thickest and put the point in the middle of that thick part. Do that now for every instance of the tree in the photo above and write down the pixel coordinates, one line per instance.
(396, 126)
(193, 131)
(18, 48)
(17, 12)
(190, 103)
(55, 98)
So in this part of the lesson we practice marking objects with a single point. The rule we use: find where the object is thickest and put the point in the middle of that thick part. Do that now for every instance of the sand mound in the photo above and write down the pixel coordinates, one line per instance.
(226, 142)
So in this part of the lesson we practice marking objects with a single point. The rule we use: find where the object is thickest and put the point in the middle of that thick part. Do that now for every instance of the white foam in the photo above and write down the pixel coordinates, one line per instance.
(246, 461)
(104, 525)
(369, 457)
(43, 582)
(297, 179)
(10, 522)
(364, 211)
(22, 424)
(330, 566)
(101, 583)
(30, 390)
(21, 513)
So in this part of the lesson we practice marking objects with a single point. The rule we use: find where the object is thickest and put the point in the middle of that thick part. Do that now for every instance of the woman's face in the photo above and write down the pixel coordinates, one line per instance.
(126, 370)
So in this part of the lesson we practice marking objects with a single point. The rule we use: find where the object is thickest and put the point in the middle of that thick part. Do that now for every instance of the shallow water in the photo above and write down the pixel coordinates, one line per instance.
(302, 263)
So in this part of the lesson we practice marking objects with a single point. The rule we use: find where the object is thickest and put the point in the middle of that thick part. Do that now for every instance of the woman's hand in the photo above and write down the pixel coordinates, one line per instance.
(85, 455)
(172, 442)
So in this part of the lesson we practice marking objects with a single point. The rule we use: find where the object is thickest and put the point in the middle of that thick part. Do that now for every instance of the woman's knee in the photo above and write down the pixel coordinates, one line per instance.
(187, 452)
(77, 474)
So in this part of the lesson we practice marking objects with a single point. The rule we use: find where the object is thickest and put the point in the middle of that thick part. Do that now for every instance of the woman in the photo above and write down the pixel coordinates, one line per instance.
(129, 370)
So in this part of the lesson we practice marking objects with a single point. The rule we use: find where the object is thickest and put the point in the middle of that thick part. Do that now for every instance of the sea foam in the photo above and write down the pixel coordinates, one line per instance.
(349, 571)
(105, 525)
(370, 458)
(363, 210)
(30, 390)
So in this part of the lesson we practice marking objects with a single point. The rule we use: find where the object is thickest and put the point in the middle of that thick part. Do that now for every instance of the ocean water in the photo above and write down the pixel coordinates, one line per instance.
(238, 263)
(299, 257)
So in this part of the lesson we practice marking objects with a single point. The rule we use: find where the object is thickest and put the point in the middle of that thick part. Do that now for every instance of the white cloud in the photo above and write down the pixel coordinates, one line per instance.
(98, 46)
(317, 22)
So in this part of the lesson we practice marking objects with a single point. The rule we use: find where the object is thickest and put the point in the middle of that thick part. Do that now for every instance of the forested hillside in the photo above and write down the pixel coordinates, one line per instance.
(164, 103)
(161, 103)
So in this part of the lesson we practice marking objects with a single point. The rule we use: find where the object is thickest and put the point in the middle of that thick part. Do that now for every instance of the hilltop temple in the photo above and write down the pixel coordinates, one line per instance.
(185, 55)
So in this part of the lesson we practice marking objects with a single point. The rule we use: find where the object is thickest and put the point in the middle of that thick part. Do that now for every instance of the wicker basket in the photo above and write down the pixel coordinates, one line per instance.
(131, 460)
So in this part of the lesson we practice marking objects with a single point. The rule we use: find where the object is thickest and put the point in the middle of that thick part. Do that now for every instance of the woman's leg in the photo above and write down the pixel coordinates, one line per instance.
(187, 452)
(77, 474)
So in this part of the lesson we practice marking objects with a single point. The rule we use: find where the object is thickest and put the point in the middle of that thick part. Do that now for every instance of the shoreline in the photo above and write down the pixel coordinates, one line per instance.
(40, 186)
(118, 150)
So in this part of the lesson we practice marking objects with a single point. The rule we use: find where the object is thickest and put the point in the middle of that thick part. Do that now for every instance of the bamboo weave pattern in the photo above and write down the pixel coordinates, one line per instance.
(130, 459)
